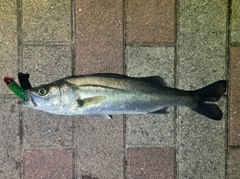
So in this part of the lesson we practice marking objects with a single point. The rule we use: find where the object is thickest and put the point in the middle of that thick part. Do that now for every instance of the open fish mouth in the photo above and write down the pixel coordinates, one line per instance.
(29, 102)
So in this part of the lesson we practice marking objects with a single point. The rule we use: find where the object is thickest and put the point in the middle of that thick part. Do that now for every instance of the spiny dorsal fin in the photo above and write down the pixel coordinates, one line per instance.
(157, 80)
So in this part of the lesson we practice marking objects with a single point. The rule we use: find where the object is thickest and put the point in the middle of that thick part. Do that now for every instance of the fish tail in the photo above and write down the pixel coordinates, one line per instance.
(210, 93)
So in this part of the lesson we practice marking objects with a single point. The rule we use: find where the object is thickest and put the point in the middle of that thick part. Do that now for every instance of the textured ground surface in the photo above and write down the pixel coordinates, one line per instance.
(188, 43)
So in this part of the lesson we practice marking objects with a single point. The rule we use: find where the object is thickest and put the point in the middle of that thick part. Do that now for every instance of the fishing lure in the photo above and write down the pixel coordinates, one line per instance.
(15, 88)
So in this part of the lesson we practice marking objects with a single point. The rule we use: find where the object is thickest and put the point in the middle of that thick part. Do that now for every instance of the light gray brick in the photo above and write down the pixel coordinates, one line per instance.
(10, 138)
(46, 21)
(150, 130)
(234, 22)
(46, 64)
(8, 42)
(202, 39)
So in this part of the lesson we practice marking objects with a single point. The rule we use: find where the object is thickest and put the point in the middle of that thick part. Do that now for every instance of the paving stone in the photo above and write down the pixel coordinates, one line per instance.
(155, 129)
(10, 164)
(151, 163)
(150, 21)
(99, 147)
(99, 36)
(46, 130)
(233, 171)
(201, 145)
(201, 43)
(46, 64)
(99, 49)
(151, 61)
(234, 98)
(47, 21)
(8, 42)
(10, 150)
(202, 40)
(234, 22)
(9, 122)
(49, 163)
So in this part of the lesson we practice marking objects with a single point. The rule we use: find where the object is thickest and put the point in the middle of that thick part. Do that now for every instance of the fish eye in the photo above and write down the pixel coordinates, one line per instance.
(42, 91)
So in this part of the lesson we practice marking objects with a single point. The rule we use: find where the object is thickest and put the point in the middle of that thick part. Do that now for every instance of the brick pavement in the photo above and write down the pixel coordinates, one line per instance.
(189, 43)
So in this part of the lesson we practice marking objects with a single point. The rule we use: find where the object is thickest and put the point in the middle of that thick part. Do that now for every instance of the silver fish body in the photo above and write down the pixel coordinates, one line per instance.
(109, 94)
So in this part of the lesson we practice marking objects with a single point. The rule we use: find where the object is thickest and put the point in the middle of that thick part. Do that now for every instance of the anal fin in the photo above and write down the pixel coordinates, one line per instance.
(105, 116)
(161, 111)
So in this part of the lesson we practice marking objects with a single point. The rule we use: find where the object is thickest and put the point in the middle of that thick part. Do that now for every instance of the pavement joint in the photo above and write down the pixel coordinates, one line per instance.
(189, 44)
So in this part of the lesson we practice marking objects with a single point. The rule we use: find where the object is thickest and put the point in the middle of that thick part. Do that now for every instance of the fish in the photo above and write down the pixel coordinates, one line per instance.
(104, 95)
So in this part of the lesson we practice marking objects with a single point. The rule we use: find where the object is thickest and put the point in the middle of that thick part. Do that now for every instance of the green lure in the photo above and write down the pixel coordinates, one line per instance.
(15, 88)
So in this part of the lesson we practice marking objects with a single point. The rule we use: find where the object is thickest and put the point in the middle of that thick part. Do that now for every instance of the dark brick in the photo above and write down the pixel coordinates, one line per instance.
(151, 163)
(233, 163)
(49, 163)
(99, 147)
(234, 97)
(151, 21)
(99, 36)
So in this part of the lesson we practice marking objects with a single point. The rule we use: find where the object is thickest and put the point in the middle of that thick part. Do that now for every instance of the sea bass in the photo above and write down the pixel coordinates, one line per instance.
(102, 95)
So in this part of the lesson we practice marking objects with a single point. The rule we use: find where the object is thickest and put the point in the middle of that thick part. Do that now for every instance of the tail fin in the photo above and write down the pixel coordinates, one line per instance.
(210, 93)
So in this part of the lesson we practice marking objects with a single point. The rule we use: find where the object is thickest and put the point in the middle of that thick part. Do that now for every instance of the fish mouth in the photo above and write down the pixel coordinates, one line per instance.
(29, 102)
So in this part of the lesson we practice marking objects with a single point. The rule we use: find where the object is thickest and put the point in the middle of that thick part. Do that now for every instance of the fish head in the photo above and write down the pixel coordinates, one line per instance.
(44, 97)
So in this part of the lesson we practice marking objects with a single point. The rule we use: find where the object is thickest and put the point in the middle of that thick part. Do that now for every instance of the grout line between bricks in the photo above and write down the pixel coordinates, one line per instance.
(36, 43)
(124, 147)
(175, 108)
(124, 33)
(234, 44)
(228, 23)
(72, 51)
(124, 72)
(74, 146)
(152, 45)
(73, 34)
(176, 85)
(20, 68)
(47, 147)
(73, 56)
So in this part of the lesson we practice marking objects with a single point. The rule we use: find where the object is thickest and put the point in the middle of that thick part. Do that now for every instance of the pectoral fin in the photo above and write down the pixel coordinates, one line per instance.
(91, 101)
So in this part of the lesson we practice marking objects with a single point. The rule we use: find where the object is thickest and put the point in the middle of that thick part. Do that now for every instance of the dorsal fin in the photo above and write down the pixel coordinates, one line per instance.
(110, 75)
(157, 80)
